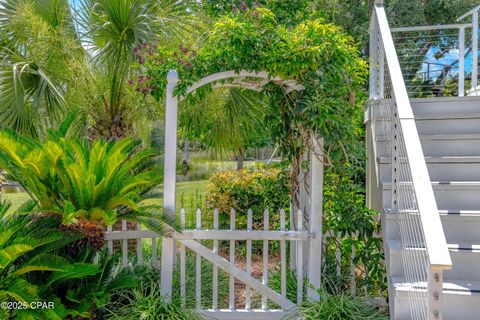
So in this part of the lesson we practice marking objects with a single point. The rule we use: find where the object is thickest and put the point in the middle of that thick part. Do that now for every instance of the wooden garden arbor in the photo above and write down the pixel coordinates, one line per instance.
(254, 81)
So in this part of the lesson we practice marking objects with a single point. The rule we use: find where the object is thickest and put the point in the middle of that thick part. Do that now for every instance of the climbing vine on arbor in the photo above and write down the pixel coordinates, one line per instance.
(317, 55)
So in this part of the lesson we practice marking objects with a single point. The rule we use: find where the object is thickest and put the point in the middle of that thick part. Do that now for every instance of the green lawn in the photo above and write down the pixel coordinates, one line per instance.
(189, 195)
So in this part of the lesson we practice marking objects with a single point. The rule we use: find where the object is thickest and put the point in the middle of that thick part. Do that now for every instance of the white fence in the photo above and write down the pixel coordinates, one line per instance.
(228, 249)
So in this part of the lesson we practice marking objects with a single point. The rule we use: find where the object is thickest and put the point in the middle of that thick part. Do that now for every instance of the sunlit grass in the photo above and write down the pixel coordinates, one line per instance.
(185, 192)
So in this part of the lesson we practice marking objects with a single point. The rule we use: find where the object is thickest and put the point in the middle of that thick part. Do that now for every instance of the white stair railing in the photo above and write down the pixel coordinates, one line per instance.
(425, 253)
(474, 14)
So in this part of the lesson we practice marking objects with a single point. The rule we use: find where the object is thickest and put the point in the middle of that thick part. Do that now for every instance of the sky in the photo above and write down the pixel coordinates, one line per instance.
(449, 58)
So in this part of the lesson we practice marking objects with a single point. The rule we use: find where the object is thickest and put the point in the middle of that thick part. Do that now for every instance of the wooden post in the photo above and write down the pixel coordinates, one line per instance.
(169, 181)
(315, 219)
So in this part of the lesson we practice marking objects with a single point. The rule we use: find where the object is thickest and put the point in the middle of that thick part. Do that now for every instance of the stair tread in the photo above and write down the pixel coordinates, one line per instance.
(459, 212)
(451, 286)
(444, 184)
(443, 116)
(448, 116)
(445, 159)
(396, 245)
(448, 214)
(446, 136)
(417, 102)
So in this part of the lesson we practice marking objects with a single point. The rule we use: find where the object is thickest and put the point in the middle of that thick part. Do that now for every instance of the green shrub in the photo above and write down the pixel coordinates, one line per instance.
(260, 189)
(345, 213)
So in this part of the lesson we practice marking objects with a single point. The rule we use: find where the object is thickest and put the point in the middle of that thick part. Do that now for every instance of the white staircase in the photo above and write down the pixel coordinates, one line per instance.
(423, 175)
(449, 131)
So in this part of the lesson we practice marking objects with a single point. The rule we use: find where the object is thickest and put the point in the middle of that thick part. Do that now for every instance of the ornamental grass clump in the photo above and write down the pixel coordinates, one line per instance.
(147, 303)
(339, 307)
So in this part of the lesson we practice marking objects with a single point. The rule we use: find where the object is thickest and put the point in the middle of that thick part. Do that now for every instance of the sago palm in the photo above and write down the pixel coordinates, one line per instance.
(28, 245)
(99, 181)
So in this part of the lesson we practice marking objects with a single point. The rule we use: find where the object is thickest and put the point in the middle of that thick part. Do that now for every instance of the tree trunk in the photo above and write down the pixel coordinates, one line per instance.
(186, 156)
(186, 151)
(240, 157)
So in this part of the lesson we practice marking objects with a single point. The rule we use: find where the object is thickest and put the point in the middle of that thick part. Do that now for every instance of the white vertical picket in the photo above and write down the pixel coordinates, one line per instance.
(293, 245)
(283, 257)
(154, 252)
(248, 291)
(338, 255)
(182, 260)
(266, 226)
(215, 268)
(232, 260)
(110, 242)
(324, 248)
(299, 260)
(139, 246)
(124, 245)
(198, 262)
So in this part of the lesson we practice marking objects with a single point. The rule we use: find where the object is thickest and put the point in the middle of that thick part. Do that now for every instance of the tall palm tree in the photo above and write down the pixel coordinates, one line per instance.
(105, 33)
(27, 91)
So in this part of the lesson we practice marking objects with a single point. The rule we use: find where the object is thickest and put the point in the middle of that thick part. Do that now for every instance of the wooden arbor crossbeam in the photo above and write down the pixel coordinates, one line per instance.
(243, 79)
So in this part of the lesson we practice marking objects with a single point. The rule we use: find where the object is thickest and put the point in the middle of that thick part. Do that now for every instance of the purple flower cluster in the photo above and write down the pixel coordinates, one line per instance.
(244, 6)
(184, 55)
(146, 51)
(143, 85)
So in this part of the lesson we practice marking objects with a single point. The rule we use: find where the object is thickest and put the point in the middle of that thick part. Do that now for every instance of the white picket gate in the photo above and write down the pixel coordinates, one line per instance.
(203, 241)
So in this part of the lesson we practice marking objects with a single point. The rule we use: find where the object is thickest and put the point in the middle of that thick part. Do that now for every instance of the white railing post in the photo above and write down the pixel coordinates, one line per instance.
(474, 49)
(434, 293)
(461, 61)
(315, 219)
(413, 199)
(373, 58)
(168, 247)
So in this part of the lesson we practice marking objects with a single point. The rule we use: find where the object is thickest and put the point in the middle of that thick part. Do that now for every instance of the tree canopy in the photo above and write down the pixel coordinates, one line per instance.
(315, 54)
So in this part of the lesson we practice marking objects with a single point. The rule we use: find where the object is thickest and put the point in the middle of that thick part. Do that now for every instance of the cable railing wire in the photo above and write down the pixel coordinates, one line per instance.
(425, 58)
(417, 263)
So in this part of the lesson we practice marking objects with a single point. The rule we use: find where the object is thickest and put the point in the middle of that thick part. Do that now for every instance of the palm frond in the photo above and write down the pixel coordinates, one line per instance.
(73, 271)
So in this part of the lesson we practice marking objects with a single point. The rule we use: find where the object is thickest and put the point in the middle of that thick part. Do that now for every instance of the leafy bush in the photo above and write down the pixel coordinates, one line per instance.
(256, 189)
(345, 213)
